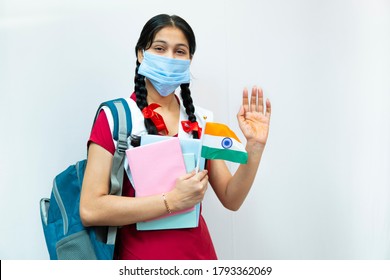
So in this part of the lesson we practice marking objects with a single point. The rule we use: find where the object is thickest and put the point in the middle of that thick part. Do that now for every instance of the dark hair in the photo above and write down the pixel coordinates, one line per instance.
(145, 40)
(156, 23)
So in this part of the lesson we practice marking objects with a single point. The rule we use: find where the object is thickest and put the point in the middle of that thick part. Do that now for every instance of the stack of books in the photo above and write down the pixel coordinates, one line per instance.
(155, 166)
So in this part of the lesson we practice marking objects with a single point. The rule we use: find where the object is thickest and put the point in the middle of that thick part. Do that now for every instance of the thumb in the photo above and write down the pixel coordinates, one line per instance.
(241, 113)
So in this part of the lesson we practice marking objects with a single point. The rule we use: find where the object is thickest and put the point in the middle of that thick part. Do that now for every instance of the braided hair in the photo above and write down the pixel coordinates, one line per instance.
(141, 94)
(145, 40)
(188, 104)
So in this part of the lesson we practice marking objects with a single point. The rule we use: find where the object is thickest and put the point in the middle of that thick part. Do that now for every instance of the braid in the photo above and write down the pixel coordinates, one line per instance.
(141, 94)
(140, 89)
(188, 104)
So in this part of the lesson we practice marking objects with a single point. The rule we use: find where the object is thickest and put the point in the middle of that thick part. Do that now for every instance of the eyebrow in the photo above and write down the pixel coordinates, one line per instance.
(164, 42)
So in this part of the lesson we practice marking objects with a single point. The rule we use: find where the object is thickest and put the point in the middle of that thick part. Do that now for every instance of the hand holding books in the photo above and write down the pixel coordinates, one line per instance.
(190, 190)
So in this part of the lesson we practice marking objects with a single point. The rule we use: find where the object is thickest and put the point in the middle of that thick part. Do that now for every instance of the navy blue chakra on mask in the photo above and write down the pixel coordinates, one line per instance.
(227, 143)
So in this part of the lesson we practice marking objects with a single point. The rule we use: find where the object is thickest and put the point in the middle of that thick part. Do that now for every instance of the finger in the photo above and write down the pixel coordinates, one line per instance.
(200, 175)
(187, 175)
(253, 99)
(260, 100)
(268, 108)
(205, 184)
(204, 180)
(245, 100)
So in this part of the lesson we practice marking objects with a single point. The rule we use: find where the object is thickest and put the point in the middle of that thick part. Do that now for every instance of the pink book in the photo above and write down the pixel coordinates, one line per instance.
(155, 167)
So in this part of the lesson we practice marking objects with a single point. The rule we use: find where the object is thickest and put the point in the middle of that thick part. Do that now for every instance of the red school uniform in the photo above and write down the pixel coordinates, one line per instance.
(172, 244)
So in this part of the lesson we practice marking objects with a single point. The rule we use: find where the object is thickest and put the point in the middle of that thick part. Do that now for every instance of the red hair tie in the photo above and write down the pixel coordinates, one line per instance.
(189, 126)
(156, 118)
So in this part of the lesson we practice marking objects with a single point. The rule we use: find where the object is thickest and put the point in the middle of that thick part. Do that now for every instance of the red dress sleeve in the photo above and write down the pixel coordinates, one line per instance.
(101, 133)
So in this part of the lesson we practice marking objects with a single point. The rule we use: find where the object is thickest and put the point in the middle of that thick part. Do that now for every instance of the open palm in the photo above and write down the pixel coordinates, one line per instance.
(252, 118)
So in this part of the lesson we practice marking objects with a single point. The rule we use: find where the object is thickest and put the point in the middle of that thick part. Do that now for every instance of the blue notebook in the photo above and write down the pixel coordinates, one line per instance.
(190, 149)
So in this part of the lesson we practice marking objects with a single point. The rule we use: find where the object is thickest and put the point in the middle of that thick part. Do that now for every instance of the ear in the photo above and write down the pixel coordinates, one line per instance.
(140, 56)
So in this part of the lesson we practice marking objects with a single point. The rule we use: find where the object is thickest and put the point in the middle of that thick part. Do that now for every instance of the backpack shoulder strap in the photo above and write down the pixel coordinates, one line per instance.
(121, 131)
(121, 114)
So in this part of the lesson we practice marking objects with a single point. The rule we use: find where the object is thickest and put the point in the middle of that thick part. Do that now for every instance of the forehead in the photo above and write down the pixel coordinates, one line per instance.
(171, 35)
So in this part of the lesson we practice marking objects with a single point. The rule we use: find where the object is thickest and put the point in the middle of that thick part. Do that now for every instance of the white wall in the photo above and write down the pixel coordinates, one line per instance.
(323, 191)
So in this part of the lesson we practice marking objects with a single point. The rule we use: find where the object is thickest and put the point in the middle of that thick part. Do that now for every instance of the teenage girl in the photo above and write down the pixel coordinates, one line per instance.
(164, 51)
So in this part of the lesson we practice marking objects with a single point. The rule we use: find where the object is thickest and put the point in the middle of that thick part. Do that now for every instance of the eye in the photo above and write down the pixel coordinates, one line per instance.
(181, 52)
(159, 49)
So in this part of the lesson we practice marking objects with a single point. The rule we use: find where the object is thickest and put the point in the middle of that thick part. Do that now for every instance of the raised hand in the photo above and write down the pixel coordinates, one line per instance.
(252, 118)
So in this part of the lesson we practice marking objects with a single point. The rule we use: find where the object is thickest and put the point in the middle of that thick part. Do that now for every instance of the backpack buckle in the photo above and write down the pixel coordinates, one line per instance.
(122, 145)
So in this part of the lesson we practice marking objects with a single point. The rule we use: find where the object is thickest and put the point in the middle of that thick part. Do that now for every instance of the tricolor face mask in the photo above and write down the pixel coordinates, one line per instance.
(166, 74)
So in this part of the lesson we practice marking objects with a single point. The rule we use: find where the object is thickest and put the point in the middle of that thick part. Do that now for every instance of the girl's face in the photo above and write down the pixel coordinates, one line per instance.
(169, 42)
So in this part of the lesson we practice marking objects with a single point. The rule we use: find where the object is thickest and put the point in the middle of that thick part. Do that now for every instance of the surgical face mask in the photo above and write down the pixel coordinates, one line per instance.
(166, 74)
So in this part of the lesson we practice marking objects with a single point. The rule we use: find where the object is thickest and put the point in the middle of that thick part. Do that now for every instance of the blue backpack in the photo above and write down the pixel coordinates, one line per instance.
(66, 237)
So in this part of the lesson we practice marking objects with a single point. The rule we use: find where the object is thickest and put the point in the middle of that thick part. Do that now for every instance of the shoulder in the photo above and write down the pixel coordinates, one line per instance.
(101, 133)
(137, 119)
(106, 121)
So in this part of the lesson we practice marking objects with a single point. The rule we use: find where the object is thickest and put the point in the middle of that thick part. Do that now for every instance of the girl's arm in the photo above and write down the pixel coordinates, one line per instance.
(254, 123)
